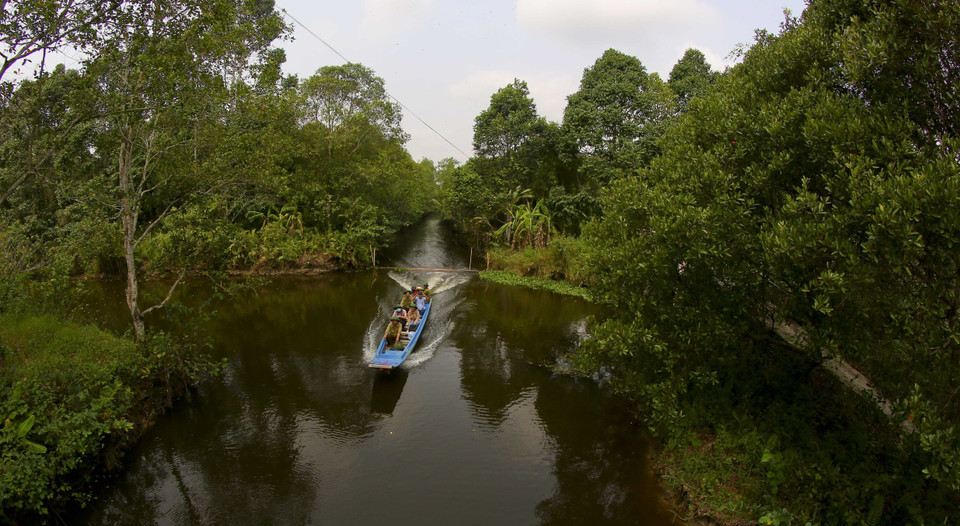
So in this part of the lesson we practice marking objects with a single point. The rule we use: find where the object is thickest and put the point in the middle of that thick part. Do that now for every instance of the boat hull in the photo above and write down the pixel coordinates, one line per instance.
(387, 358)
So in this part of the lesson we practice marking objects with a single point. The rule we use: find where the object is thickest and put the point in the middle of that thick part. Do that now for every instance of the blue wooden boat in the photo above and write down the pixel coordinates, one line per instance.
(387, 358)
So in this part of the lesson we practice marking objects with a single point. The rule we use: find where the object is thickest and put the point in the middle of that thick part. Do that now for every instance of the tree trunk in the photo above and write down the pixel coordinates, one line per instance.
(128, 218)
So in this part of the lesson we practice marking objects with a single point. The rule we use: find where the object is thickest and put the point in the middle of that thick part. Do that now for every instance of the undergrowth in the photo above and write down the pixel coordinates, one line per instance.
(73, 397)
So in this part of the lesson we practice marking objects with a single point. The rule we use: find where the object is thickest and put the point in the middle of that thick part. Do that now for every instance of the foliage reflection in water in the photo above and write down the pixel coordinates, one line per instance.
(300, 431)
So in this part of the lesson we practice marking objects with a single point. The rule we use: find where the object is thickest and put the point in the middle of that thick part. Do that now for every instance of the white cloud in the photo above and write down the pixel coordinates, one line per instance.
(481, 85)
(425, 143)
(578, 20)
(307, 54)
(470, 95)
(429, 51)
(549, 92)
(385, 18)
(717, 61)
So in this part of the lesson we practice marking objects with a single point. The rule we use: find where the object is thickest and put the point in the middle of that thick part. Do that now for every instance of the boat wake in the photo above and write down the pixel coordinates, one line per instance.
(449, 281)
(437, 281)
(436, 331)
(438, 325)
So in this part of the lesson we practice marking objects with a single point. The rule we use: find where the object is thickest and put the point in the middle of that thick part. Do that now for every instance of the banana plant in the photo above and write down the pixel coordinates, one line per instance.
(528, 226)
(288, 216)
(20, 434)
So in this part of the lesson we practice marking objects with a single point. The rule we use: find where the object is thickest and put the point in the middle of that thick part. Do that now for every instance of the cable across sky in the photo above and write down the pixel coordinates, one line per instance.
(398, 101)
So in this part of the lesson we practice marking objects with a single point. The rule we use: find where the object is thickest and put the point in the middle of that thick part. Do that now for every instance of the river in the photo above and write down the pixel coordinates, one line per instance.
(471, 430)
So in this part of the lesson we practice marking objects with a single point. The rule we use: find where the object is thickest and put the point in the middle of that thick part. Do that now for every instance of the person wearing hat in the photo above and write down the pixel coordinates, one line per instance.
(427, 292)
(400, 313)
(407, 301)
(394, 330)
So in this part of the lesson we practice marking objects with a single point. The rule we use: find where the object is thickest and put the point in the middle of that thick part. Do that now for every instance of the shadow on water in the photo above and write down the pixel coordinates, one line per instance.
(387, 388)
(471, 430)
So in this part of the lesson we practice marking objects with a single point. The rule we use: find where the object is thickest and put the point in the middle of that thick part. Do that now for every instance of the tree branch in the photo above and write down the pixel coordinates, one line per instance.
(169, 294)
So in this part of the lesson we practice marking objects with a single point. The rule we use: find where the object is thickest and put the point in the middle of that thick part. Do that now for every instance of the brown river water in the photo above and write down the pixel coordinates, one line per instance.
(470, 430)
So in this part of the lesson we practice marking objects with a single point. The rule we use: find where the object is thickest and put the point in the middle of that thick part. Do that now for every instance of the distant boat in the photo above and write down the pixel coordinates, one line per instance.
(387, 358)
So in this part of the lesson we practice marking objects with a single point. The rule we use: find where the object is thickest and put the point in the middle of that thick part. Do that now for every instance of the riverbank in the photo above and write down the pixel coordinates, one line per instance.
(792, 444)
(75, 397)
(509, 277)
(560, 260)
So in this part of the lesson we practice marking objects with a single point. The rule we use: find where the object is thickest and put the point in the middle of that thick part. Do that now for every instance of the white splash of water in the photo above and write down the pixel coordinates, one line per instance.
(404, 279)
(438, 324)
(374, 332)
(371, 338)
(423, 352)
(437, 281)
(448, 281)
(580, 330)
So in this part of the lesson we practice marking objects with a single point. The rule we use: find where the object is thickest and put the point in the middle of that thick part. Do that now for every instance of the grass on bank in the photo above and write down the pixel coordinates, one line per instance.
(509, 277)
(72, 397)
(556, 267)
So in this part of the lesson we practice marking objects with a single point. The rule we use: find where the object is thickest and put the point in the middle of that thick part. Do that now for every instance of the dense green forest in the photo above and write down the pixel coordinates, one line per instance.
(798, 210)
(745, 227)
(181, 135)
(178, 147)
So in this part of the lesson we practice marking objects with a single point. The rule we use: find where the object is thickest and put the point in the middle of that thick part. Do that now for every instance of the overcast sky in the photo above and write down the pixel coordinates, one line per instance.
(443, 59)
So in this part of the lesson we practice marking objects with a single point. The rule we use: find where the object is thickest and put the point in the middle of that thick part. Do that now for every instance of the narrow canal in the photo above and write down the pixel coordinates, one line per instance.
(471, 430)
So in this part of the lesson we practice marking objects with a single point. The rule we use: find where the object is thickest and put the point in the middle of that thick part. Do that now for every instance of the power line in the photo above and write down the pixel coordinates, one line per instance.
(314, 34)
(402, 105)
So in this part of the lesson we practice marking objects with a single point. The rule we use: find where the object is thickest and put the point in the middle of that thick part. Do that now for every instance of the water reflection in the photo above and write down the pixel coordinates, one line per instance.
(505, 330)
(302, 343)
(599, 459)
(387, 388)
(472, 430)
(181, 476)
(601, 466)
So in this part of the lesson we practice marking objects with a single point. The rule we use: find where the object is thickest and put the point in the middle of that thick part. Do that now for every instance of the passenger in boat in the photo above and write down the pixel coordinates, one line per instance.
(394, 330)
(421, 301)
(427, 292)
(400, 313)
(407, 301)
(413, 319)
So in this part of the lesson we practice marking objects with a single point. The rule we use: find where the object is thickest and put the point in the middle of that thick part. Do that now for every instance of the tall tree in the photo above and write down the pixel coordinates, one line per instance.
(158, 80)
(352, 96)
(29, 27)
(350, 129)
(509, 139)
(616, 117)
(805, 191)
(899, 53)
(46, 122)
(690, 76)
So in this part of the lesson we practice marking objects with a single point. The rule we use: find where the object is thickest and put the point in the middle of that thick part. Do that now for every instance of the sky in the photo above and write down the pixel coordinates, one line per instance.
(443, 59)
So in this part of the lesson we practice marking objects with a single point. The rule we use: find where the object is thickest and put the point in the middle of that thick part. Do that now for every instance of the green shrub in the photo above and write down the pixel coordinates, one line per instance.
(195, 238)
(89, 244)
(560, 259)
(273, 247)
(84, 391)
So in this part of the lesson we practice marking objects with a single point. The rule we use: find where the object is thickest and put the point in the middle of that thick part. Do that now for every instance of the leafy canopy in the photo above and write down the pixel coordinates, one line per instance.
(616, 117)
(815, 186)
